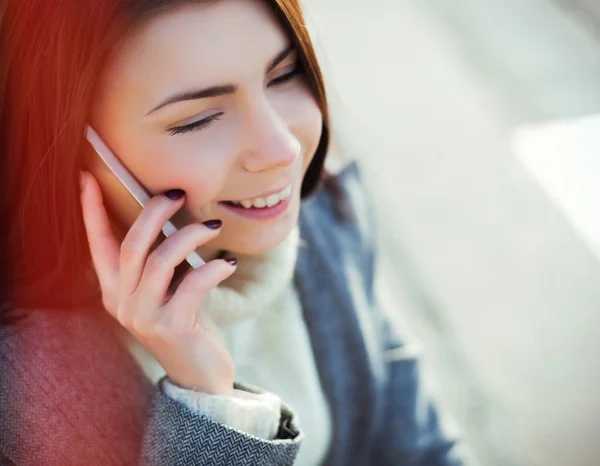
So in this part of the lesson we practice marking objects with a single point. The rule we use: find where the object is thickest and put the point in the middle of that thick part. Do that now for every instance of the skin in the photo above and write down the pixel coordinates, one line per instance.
(266, 137)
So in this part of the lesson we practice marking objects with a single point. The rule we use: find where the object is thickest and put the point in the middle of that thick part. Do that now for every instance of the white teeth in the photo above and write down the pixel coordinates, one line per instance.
(259, 202)
(270, 201)
(287, 192)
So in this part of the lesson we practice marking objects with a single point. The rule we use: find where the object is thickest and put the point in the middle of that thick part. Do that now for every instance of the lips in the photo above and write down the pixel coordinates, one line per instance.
(270, 199)
(259, 213)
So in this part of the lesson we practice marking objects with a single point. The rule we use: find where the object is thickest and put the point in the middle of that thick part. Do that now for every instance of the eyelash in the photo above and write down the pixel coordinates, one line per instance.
(206, 122)
(287, 76)
(197, 125)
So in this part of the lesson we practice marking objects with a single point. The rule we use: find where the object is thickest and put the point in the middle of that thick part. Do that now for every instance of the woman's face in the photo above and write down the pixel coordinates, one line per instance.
(205, 98)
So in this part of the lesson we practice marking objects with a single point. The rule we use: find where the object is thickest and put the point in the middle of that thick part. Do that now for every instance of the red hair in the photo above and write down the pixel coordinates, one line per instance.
(52, 52)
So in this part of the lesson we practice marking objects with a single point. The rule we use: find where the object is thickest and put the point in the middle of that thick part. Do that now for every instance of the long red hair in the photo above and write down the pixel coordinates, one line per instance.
(51, 55)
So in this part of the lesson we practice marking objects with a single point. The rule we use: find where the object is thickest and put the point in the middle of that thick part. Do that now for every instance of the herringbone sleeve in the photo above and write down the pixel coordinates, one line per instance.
(177, 436)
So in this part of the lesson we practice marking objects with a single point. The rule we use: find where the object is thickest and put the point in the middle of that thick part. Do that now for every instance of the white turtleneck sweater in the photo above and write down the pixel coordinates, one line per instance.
(260, 319)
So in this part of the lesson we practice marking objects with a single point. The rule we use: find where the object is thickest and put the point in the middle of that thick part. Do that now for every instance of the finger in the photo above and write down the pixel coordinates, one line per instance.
(140, 238)
(104, 247)
(160, 265)
(183, 306)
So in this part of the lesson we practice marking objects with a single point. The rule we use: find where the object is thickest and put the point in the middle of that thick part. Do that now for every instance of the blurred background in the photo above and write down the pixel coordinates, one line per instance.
(478, 127)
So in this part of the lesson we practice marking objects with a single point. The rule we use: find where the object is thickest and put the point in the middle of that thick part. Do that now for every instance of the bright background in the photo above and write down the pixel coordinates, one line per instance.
(478, 123)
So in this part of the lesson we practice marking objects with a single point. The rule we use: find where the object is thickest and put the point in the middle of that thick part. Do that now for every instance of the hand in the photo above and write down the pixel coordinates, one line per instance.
(135, 289)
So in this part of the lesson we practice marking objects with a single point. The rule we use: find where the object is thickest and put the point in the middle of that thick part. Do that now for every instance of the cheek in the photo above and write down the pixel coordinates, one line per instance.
(183, 162)
(197, 163)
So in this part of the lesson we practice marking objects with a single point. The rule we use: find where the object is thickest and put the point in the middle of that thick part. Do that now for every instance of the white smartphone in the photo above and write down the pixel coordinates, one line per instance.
(136, 190)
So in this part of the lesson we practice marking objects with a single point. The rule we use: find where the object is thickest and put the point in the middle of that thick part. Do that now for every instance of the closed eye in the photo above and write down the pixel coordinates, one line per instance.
(197, 125)
(295, 71)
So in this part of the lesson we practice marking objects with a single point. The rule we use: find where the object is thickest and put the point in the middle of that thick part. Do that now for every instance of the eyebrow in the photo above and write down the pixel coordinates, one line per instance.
(215, 91)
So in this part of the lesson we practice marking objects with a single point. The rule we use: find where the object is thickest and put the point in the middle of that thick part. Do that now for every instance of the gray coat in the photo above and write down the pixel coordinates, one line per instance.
(70, 393)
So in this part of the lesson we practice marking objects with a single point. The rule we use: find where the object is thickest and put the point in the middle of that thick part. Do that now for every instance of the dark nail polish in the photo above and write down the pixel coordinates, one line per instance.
(213, 224)
(231, 260)
(174, 194)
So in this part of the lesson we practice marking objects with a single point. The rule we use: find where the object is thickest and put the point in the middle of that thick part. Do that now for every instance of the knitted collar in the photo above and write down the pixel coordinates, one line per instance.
(257, 282)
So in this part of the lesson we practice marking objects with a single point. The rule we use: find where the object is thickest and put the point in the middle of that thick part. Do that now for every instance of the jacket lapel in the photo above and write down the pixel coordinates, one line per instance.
(330, 278)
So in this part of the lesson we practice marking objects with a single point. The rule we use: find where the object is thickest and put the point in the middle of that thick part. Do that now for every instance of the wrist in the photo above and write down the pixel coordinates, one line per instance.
(257, 414)
(208, 389)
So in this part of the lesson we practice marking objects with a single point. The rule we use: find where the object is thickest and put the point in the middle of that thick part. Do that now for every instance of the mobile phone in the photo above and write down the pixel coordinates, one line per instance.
(127, 180)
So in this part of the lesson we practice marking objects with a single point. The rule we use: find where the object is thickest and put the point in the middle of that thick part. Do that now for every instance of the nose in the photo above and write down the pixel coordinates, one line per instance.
(270, 142)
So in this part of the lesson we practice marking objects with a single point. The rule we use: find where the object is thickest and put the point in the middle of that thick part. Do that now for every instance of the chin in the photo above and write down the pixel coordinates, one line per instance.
(258, 247)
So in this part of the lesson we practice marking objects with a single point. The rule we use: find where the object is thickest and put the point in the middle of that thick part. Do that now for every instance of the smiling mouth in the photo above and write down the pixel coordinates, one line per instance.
(261, 202)
(259, 213)
(238, 205)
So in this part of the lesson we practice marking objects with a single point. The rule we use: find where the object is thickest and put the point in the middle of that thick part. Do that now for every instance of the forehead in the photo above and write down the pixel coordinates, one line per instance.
(196, 44)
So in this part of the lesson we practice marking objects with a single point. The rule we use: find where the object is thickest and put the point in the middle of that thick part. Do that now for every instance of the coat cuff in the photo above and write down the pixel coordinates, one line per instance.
(257, 414)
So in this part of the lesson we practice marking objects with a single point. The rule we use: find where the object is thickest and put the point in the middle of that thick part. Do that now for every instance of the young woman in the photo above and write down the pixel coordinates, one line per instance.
(275, 351)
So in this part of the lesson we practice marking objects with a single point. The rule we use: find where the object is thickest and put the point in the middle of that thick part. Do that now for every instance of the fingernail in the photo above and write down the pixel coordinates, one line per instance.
(174, 194)
(231, 260)
(213, 224)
